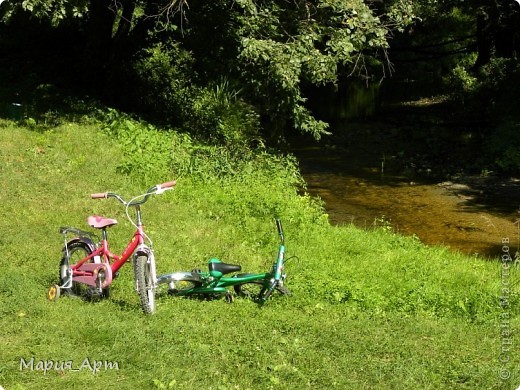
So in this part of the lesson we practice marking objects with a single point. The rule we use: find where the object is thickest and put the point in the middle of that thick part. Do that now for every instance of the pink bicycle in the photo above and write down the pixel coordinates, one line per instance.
(88, 267)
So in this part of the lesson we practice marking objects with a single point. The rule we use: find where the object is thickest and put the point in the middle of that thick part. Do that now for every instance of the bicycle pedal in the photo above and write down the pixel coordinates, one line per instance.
(196, 271)
(229, 297)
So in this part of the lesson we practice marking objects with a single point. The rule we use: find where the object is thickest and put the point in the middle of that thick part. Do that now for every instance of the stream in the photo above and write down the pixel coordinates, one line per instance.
(380, 175)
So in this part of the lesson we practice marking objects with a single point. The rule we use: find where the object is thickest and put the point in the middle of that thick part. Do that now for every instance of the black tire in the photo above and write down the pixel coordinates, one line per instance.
(77, 251)
(144, 284)
(256, 288)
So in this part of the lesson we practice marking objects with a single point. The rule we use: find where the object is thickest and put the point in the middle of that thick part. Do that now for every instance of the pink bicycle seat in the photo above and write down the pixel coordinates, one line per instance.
(100, 222)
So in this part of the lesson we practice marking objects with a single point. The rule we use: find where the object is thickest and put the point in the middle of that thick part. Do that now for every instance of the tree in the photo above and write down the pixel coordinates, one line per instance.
(278, 46)
(271, 48)
(497, 30)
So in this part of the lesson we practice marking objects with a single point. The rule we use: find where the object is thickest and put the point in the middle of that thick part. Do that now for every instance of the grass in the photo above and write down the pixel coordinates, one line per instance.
(369, 310)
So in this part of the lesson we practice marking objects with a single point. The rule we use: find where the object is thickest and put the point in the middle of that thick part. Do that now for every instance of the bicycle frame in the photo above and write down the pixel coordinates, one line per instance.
(210, 285)
(89, 272)
(214, 281)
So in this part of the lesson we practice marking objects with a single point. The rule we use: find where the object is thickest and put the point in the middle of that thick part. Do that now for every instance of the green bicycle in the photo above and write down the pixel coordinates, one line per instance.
(213, 283)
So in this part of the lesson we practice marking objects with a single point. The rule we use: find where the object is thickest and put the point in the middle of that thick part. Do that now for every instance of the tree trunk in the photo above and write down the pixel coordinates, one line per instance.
(123, 28)
(484, 39)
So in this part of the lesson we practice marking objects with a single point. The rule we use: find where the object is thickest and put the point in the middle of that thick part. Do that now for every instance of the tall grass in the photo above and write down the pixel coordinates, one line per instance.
(369, 309)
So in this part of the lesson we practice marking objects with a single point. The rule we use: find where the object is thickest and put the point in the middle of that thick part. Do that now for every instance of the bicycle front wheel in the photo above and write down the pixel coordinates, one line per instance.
(144, 283)
(180, 283)
(256, 288)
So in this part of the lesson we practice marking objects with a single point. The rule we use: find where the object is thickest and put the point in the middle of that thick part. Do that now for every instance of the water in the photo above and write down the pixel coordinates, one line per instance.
(359, 185)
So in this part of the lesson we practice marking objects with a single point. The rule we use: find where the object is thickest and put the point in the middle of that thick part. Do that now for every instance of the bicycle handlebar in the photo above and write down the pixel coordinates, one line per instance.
(157, 189)
(160, 188)
(99, 195)
(168, 184)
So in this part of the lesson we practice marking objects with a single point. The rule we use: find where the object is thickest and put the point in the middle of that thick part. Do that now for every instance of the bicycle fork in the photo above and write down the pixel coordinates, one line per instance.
(277, 279)
(144, 250)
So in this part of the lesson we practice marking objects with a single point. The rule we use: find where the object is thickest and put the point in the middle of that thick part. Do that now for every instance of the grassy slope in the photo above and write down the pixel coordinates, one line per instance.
(369, 309)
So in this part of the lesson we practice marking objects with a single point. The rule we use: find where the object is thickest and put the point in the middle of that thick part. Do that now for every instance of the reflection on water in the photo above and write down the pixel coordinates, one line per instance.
(437, 213)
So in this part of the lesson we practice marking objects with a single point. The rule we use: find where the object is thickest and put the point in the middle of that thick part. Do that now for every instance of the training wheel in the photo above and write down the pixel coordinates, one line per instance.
(53, 293)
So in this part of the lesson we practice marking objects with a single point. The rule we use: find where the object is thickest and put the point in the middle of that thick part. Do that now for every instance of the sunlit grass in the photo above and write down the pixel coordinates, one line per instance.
(370, 309)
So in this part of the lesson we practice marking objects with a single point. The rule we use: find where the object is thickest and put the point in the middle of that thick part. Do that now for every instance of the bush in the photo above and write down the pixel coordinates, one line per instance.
(505, 146)
(243, 182)
(164, 72)
(220, 117)
(169, 93)
(491, 93)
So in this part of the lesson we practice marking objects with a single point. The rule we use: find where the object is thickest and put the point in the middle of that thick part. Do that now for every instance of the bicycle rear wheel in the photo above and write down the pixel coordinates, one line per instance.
(144, 283)
(77, 251)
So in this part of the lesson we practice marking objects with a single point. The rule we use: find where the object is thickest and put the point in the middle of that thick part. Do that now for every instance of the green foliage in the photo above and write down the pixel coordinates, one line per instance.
(496, 85)
(170, 61)
(492, 91)
(278, 53)
(461, 80)
(505, 145)
(402, 14)
(56, 11)
(254, 183)
(168, 90)
(435, 51)
(219, 116)
(147, 152)
(164, 90)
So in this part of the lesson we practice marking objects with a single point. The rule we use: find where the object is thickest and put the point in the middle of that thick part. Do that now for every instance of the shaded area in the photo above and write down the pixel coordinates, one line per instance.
(414, 174)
